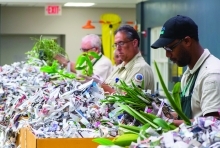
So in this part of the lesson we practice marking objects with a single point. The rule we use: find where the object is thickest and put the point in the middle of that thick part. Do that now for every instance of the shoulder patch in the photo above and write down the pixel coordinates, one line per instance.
(138, 77)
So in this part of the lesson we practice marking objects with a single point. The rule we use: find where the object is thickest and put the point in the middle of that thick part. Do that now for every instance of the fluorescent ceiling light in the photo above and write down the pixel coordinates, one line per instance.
(70, 4)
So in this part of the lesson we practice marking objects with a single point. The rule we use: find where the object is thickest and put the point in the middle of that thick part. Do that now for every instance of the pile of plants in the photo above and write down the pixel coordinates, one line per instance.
(136, 103)
(45, 50)
(42, 90)
(44, 93)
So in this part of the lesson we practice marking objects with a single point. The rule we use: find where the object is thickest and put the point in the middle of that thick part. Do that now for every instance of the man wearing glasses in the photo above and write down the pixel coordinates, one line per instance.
(200, 84)
(133, 68)
(102, 67)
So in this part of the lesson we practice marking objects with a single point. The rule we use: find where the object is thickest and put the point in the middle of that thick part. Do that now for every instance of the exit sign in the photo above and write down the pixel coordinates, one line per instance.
(53, 9)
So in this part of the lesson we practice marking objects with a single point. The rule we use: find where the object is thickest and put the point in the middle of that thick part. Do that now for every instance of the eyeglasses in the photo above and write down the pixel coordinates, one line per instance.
(86, 50)
(121, 43)
(172, 47)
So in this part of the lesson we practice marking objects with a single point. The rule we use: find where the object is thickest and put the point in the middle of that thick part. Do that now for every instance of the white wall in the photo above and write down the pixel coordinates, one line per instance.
(32, 20)
(14, 47)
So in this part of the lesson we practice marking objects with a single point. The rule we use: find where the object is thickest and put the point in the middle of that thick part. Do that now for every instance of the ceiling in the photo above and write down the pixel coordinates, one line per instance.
(98, 3)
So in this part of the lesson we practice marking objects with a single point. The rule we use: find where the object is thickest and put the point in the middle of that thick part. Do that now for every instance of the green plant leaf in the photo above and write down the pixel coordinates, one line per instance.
(93, 54)
(172, 126)
(54, 69)
(137, 115)
(103, 141)
(47, 69)
(125, 139)
(80, 61)
(84, 63)
(170, 99)
(139, 91)
(89, 65)
(128, 110)
(151, 117)
(146, 120)
(46, 49)
(81, 67)
(148, 115)
(161, 123)
(50, 69)
(145, 126)
(155, 143)
(176, 94)
(134, 92)
(130, 128)
(66, 74)
(143, 129)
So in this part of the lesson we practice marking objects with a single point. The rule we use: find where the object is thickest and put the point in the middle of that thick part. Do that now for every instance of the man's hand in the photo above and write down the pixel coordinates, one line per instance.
(107, 88)
(61, 59)
(95, 78)
(158, 112)
(155, 108)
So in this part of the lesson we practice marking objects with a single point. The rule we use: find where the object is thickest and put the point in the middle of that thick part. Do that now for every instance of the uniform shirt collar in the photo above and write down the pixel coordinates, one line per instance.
(202, 58)
(94, 59)
(130, 62)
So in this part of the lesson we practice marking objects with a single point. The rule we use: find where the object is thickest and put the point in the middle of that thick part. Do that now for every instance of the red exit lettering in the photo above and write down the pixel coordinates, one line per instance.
(53, 10)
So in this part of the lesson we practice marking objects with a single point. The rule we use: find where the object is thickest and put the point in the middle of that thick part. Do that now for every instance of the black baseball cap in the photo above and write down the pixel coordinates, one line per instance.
(176, 27)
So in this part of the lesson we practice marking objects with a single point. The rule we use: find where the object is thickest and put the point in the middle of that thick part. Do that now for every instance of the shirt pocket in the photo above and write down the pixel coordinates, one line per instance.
(210, 85)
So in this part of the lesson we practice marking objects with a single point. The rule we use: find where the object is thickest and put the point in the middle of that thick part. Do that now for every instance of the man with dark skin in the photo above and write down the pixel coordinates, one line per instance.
(200, 84)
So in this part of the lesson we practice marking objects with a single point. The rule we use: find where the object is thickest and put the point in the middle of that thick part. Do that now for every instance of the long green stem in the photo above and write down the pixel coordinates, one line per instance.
(170, 99)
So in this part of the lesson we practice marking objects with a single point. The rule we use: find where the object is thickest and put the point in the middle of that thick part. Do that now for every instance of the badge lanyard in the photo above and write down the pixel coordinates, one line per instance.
(97, 60)
(187, 86)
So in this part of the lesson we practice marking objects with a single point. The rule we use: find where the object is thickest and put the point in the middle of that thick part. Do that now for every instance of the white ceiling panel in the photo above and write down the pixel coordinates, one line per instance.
(98, 3)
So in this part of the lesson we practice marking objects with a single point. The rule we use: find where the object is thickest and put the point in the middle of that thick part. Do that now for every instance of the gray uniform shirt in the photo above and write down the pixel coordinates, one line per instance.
(136, 70)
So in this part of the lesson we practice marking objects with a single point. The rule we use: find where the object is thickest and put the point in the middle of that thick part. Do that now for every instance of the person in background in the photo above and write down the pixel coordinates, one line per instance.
(117, 59)
(102, 67)
(133, 68)
(200, 84)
